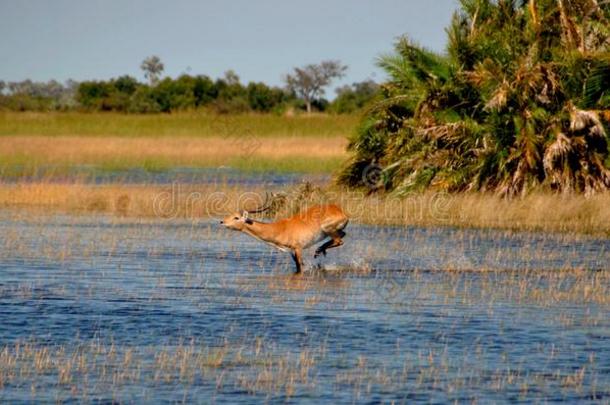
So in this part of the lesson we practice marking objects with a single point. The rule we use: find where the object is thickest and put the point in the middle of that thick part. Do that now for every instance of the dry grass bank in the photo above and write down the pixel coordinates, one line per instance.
(540, 212)
(34, 153)
(40, 144)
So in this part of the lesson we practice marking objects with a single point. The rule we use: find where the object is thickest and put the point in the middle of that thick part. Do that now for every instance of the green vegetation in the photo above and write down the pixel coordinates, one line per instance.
(225, 95)
(125, 94)
(514, 105)
(37, 96)
(354, 98)
(190, 124)
(308, 82)
(51, 145)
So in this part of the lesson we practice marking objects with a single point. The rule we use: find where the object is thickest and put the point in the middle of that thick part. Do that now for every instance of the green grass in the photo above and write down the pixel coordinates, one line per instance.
(196, 124)
(60, 144)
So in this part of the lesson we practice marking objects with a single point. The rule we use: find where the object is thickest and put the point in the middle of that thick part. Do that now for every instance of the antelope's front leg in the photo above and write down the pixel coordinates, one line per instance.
(297, 256)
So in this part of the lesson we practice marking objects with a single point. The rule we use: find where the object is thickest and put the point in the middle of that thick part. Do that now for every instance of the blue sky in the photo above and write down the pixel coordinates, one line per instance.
(260, 40)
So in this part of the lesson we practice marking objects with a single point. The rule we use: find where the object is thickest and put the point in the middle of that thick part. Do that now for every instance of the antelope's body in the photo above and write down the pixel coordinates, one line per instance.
(297, 232)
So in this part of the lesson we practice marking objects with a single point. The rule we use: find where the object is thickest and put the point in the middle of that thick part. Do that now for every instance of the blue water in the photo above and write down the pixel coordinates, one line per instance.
(396, 314)
(181, 175)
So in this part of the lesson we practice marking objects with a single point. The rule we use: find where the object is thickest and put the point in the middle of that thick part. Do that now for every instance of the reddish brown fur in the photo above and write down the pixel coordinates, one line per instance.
(297, 232)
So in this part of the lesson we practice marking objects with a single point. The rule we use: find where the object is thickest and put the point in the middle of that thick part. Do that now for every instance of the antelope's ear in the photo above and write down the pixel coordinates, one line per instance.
(245, 214)
(249, 221)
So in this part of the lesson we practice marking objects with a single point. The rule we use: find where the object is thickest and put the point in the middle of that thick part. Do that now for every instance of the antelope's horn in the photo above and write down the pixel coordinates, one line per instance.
(264, 207)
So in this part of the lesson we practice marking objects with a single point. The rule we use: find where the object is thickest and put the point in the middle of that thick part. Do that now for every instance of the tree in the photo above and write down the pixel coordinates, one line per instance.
(353, 98)
(231, 78)
(125, 84)
(152, 67)
(309, 81)
(2, 86)
(204, 90)
(94, 94)
(264, 98)
(511, 107)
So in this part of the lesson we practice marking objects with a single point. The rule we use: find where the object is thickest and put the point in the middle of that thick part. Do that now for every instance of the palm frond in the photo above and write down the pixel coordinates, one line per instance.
(514, 105)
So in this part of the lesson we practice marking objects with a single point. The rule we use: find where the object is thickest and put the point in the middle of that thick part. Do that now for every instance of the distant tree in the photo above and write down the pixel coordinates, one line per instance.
(264, 98)
(175, 94)
(126, 84)
(52, 89)
(93, 94)
(309, 81)
(24, 87)
(231, 78)
(352, 98)
(229, 86)
(204, 90)
(143, 101)
(68, 98)
(37, 96)
(2, 86)
(231, 95)
(152, 67)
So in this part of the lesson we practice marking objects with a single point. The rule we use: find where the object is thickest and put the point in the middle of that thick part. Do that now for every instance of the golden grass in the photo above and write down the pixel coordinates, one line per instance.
(253, 367)
(49, 143)
(41, 144)
(534, 212)
(544, 288)
(90, 370)
(537, 212)
(115, 153)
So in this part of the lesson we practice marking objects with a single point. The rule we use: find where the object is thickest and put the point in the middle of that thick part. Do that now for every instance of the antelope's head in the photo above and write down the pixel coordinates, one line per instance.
(238, 221)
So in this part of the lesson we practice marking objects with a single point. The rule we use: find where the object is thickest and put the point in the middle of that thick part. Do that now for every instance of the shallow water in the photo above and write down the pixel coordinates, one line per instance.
(181, 175)
(170, 311)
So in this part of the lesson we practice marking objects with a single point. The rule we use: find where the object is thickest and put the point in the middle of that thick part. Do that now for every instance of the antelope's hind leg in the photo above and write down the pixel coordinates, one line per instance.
(335, 241)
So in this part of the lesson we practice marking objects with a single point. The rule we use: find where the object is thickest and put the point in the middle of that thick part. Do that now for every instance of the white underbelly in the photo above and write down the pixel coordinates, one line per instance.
(280, 247)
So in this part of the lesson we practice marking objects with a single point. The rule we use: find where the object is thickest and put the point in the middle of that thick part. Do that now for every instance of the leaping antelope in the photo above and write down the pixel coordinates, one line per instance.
(297, 232)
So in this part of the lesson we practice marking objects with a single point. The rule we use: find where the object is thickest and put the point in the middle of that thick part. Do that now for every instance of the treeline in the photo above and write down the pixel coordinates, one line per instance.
(186, 92)
(38, 96)
(225, 95)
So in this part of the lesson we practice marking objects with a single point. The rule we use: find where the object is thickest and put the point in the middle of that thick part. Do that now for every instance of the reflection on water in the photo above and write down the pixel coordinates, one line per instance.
(102, 309)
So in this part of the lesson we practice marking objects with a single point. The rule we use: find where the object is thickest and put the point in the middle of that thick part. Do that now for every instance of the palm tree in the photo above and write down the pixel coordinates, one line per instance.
(511, 107)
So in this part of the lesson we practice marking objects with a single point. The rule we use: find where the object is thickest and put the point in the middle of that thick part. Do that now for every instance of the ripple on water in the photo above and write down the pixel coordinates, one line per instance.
(185, 311)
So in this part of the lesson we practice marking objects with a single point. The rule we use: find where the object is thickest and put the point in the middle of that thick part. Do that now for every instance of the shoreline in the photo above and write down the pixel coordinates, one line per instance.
(533, 213)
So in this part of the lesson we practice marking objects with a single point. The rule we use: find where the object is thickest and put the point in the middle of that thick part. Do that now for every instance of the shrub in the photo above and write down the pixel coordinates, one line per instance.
(511, 107)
